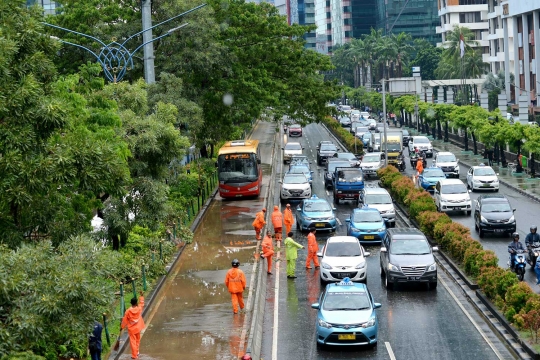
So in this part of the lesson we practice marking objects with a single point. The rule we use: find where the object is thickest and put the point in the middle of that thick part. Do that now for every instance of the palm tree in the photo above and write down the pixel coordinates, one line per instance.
(359, 56)
(386, 55)
(403, 47)
(452, 43)
(474, 66)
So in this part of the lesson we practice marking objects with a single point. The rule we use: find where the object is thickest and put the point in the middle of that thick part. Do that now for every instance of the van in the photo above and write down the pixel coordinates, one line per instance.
(452, 195)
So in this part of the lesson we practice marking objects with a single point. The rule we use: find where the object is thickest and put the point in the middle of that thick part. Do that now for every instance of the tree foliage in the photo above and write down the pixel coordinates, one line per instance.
(427, 58)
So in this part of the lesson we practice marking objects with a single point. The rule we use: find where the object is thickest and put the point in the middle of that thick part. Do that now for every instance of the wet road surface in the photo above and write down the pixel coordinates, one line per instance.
(193, 318)
(414, 323)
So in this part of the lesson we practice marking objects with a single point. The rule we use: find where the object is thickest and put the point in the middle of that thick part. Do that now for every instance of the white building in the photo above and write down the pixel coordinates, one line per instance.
(495, 36)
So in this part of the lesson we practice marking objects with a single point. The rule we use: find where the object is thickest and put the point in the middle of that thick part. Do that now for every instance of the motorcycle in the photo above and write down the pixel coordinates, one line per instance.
(534, 252)
(414, 158)
(519, 264)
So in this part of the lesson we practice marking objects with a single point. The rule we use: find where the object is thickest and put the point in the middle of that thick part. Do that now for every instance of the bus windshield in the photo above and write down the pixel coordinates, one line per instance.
(237, 168)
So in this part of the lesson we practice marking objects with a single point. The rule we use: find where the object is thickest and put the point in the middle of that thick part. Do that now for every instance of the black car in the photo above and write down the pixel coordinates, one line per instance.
(330, 168)
(325, 151)
(406, 137)
(493, 214)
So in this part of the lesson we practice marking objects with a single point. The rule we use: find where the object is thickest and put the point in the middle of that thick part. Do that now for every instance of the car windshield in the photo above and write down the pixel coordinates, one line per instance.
(334, 164)
(342, 249)
(378, 199)
(293, 146)
(355, 112)
(317, 206)
(366, 136)
(299, 160)
(433, 173)
(405, 132)
(344, 118)
(484, 172)
(295, 179)
(350, 176)
(347, 156)
(453, 189)
(295, 126)
(446, 158)
(371, 158)
(345, 107)
(366, 217)
(409, 247)
(328, 147)
(421, 140)
(356, 300)
(237, 168)
(361, 129)
(496, 207)
(299, 169)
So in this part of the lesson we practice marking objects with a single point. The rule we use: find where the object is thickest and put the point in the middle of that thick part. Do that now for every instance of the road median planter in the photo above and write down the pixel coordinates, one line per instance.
(348, 140)
(515, 300)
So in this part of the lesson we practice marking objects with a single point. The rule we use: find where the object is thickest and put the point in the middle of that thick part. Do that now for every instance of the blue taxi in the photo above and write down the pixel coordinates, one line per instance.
(346, 315)
(429, 178)
(317, 213)
(367, 225)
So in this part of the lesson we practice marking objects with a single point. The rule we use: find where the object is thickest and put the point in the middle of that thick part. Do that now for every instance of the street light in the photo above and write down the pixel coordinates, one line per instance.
(384, 121)
(115, 58)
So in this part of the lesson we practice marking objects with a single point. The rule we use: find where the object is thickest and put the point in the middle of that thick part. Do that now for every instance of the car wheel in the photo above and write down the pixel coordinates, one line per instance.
(433, 285)
(297, 225)
(322, 282)
(364, 281)
(496, 190)
(336, 199)
(372, 345)
(476, 226)
(468, 213)
(387, 284)
(480, 232)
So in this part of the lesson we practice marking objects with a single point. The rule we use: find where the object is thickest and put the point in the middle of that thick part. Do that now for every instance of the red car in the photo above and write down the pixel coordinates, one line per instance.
(295, 130)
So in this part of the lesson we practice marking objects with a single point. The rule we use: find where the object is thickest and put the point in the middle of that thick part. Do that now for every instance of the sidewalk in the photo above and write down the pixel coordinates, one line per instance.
(521, 183)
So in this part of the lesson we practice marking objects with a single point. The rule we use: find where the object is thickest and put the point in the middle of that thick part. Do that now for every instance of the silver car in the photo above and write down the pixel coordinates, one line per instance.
(371, 163)
(381, 200)
(295, 186)
(448, 163)
(290, 149)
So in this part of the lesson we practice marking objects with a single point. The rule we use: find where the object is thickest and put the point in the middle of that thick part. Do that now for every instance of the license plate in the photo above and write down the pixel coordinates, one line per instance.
(413, 277)
(458, 208)
(498, 230)
(346, 337)
(486, 185)
(369, 237)
(319, 225)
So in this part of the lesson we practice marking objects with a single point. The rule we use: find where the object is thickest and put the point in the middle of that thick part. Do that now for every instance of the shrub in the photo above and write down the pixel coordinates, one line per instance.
(429, 219)
(401, 187)
(460, 245)
(475, 258)
(495, 280)
(420, 205)
(387, 170)
(388, 179)
(516, 297)
(447, 233)
(529, 321)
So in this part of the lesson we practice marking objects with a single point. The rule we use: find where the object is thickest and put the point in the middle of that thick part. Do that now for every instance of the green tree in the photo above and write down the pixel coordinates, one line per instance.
(427, 58)
(470, 119)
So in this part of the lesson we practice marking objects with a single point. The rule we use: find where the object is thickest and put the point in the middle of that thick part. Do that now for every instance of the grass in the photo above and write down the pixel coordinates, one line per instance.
(526, 336)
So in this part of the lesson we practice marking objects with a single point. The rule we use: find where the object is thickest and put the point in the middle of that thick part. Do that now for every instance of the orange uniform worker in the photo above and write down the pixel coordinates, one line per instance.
(134, 322)
(277, 221)
(419, 166)
(235, 280)
(288, 218)
(312, 249)
(267, 249)
(259, 223)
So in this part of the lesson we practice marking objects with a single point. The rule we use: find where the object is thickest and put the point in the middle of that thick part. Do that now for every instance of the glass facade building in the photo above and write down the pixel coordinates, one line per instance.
(419, 18)
(50, 7)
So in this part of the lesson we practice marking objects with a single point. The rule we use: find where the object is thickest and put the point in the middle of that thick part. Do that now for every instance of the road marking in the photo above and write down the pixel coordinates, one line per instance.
(339, 222)
(390, 351)
(499, 356)
(276, 306)
(327, 193)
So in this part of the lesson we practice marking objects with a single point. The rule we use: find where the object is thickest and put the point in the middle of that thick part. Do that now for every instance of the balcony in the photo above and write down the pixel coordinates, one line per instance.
(462, 9)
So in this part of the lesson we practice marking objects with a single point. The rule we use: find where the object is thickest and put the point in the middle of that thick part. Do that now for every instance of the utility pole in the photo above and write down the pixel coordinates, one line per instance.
(384, 120)
(149, 71)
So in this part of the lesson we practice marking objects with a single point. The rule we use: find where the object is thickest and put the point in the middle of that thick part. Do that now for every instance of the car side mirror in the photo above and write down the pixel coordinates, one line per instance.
(367, 253)
(282, 148)
(347, 220)
(435, 248)
(514, 209)
(303, 148)
(377, 305)
(298, 209)
(258, 161)
(497, 174)
(383, 249)
(435, 192)
(469, 190)
(334, 209)
(279, 181)
(319, 254)
(315, 306)
(312, 171)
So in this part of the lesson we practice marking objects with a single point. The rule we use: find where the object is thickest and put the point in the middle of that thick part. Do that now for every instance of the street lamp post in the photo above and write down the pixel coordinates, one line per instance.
(114, 58)
(384, 121)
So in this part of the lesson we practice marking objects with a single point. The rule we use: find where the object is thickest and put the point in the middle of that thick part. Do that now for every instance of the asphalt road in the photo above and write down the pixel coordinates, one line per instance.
(526, 214)
(414, 323)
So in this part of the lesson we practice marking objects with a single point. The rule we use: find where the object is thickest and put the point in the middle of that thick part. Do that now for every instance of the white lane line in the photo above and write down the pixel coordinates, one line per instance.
(499, 356)
(339, 222)
(276, 307)
(390, 351)
(327, 193)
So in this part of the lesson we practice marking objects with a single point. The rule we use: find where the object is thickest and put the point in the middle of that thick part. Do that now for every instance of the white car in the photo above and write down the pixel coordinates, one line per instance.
(295, 186)
(482, 177)
(380, 199)
(371, 162)
(448, 163)
(355, 114)
(290, 149)
(422, 143)
(452, 195)
(342, 257)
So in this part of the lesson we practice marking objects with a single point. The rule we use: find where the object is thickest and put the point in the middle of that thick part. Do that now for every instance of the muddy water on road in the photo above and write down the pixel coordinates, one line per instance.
(193, 317)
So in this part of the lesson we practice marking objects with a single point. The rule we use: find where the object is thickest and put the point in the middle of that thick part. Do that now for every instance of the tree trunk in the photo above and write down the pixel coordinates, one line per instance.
(204, 151)
(533, 172)
(439, 130)
(115, 242)
(123, 240)
(474, 143)
(433, 129)
(503, 157)
(211, 149)
(466, 140)
(446, 131)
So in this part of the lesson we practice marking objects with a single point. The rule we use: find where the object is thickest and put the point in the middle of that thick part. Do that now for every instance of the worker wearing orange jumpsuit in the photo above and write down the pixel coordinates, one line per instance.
(235, 280)
(259, 223)
(134, 322)
(288, 218)
(267, 249)
(277, 221)
(312, 249)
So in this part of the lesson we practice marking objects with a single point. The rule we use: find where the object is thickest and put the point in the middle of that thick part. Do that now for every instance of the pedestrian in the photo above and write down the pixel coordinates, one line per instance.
(235, 280)
(259, 223)
(134, 322)
(267, 249)
(312, 249)
(291, 254)
(536, 269)
(277, 221)
(419, 166)
(94, 342)
(188, 168)
(288, 218)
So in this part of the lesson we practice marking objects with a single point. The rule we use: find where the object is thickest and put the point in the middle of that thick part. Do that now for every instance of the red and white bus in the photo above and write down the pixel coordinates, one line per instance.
(239, 169)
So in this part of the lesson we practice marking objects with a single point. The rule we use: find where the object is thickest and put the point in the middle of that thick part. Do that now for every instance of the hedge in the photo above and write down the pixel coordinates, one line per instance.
(344, 136)
(515, 299)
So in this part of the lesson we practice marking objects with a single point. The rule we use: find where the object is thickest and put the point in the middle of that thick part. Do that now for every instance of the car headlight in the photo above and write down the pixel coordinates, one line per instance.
(476, 181)
(324, 324)
(254, 188)
(308, 218)
(391, 211)
(456, 168)
(326, 266)
(511, 220)
(224, 190)
(361, 265)
(483, 219)
(369, 323)
(392, 267)
(380, 229)
(432, 267)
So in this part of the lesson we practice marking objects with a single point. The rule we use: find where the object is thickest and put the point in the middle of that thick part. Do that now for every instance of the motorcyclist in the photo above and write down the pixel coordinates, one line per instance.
(532, 237)
(513, 247)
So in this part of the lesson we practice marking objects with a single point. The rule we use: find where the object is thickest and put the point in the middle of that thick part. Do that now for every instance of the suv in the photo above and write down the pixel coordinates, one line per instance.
(342, 257)
(295, 130)
(482, 177)
(325, 151)
(290, 149)
(371, 163)
(422, 143)
(331, 165)
(407, 257)
(406, 137)
(448, 163)
(380, 199)
(452, 195)
(493, 213)
(366, 224)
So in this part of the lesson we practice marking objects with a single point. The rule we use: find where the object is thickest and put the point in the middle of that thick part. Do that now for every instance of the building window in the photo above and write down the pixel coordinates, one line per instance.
(470, 17)
(472, 2)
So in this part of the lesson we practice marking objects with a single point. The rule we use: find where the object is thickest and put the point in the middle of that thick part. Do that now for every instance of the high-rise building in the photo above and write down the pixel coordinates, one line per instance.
(495, 36)
(419, 18)
(50, 7)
